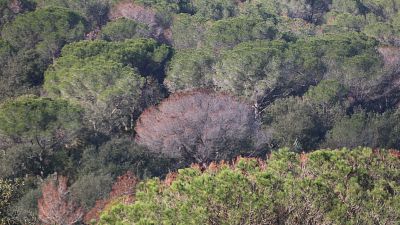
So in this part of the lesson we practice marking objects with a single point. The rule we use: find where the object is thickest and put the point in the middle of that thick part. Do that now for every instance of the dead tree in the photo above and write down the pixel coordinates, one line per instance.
(200, 126)
(56, 206)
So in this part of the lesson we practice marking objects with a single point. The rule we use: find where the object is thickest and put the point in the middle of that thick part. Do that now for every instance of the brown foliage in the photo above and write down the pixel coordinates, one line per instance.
(201, 126)
(379, 153)
(214, 167)
(171, 177)
(15, 6)
(391, 56)
(55, 205)
(122, 190)
(133, 11)
(395, 153)
(124, 186)
(303, 159)
(142, 14)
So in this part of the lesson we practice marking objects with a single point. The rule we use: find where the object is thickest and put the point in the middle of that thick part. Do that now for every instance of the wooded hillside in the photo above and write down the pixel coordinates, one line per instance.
(99, 95)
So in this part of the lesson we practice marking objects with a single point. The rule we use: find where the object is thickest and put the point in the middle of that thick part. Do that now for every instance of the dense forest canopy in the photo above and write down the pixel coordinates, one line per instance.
(323, 187)
(97, 95)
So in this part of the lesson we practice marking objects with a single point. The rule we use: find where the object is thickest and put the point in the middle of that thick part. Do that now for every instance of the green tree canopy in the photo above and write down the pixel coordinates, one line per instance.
(41, 128)
(250, 69)
(232, 31)
(36, 38)
(46, 30)
(352, 59)
(108, 91)
(187, 31)
(104, 78)
(145, 55)
(309, 10)
(327, 92)
(349, 54)
(215, 10)
(294, 123)
(378, 19)
(188, 69)
(119, 155)
(366, 129)
(332, 187)
(33, 161)
(259, 70)
(9, 9)
(34, 117)
(94, 11)
(122, 29)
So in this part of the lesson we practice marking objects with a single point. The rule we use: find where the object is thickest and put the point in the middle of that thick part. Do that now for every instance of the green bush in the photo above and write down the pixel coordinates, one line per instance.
(119, 155)
(91, 187)
(25, 210)
(294, 123)
(327, 92)
(366, 129)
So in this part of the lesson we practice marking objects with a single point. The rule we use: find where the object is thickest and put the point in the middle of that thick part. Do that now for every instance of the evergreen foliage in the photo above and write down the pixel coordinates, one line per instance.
(357, 186)
(91, 90)
(35, 39)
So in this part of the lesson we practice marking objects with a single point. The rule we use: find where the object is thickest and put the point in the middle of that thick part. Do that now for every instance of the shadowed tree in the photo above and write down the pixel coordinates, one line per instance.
(366, 129)
(39, 120)
(216, 9)
(122, 190)
(10, 190)
(36, 39)
(200, 126)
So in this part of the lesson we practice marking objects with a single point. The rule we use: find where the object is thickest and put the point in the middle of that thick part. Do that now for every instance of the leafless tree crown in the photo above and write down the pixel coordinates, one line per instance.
(56, 205)
(200, 125)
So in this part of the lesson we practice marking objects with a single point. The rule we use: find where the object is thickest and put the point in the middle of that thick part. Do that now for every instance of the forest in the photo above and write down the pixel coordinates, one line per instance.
(199, 112)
